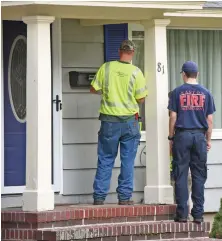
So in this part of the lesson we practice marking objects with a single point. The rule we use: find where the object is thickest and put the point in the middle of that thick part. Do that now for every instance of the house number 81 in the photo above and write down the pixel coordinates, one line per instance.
(160, 67)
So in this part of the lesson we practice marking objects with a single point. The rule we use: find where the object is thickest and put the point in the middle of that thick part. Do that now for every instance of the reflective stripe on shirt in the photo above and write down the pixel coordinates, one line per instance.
(105, 101)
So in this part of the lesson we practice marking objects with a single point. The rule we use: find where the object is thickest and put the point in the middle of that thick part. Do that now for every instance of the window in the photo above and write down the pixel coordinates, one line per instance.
(201, 46)
(17, 78)
(138, 60)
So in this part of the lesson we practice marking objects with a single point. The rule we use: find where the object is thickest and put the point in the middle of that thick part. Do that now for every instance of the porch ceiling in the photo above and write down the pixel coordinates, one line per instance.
(81, 12)
(110, 3)
(181, 14)
(110, 10)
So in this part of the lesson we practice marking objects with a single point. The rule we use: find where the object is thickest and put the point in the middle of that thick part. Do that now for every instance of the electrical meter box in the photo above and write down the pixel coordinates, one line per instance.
(80, 79)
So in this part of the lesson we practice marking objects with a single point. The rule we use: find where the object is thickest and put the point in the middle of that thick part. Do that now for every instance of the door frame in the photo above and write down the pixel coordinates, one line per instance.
(56, 120)
(57, 115)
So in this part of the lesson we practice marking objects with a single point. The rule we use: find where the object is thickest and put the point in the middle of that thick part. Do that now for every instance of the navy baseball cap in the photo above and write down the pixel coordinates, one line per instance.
(190, 67)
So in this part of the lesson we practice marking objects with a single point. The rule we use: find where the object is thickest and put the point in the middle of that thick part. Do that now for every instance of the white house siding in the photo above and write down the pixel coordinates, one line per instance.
(82, 50)
(213, 191)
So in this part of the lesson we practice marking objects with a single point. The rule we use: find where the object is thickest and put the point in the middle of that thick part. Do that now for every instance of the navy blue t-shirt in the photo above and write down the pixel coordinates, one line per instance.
(192, 103)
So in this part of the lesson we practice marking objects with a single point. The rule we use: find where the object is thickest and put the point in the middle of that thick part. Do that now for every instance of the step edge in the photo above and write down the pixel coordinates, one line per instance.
(97, 225)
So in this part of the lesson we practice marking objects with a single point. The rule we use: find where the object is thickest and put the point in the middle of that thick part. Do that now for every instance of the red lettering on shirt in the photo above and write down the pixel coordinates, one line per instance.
(192, 100)
(182, 100)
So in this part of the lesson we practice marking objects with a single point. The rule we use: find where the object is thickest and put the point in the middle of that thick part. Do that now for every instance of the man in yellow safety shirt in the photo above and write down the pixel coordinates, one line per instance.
(122, 86)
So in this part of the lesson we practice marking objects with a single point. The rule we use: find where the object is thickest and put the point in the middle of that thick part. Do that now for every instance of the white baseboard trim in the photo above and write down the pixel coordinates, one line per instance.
(20, 189)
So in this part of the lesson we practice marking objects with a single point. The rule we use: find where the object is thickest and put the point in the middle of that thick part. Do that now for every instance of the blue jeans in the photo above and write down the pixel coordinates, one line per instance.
(110, 136)
(189, 151)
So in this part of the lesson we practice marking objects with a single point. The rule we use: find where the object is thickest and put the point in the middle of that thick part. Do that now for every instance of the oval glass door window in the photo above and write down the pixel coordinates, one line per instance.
(17, 77)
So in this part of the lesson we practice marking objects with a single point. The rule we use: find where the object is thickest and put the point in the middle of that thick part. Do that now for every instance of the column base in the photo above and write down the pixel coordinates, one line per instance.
(158, 194)
(35, 200)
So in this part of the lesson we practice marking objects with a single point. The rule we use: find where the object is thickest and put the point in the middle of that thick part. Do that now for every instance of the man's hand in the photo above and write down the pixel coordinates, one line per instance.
(93, 91)
(208, 145)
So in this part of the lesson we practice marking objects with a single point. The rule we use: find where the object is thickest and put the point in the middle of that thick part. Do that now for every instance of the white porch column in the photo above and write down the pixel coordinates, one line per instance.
(158, 188)
(38, 195)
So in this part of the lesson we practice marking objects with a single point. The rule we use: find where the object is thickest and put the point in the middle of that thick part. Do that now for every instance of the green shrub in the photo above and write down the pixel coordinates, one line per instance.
(216, 231)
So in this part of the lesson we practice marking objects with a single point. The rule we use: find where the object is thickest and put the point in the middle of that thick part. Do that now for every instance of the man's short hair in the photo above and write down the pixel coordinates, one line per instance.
(191, 75)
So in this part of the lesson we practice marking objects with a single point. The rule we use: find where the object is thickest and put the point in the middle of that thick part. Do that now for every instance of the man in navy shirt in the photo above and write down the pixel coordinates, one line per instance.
(190, 126)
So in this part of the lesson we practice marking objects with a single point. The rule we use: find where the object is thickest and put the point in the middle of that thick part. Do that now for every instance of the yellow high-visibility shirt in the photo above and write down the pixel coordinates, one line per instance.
(121, 85)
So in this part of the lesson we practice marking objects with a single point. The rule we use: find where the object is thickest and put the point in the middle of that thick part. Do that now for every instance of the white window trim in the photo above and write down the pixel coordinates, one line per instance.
(216, 133)
(57, 117)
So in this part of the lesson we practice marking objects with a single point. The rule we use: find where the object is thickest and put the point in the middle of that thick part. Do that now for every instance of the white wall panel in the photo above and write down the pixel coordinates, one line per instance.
(212, 199)
(214, 155)
(72, 31)
(81, 181)
(214, 179)
(85, 156)
(80, 130)
(82, 55)
(85, 105)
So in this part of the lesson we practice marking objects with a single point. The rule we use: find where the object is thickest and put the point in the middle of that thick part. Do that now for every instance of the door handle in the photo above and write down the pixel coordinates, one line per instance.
(58, 103)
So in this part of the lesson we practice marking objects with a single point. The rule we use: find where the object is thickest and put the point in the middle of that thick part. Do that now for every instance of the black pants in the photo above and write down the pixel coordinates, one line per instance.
(190, 151)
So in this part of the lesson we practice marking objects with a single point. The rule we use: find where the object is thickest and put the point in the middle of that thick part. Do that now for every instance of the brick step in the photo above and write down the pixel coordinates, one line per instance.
(126, 231)
(178, 239)
(112, 232)
(83, 215)
(190, 239)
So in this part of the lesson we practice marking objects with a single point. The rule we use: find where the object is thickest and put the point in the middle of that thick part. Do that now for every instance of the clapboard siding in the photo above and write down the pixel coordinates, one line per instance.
(83, 51)
(80, 181)
(213, 186)
(214, 155)
(85, 156)
(212, 199)
(72, 31)
(81, 105)
(214, 179)
(82, 55)
(80, 131)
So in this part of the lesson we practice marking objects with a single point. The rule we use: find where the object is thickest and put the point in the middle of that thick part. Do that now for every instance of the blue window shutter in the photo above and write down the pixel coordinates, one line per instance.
(114, 34)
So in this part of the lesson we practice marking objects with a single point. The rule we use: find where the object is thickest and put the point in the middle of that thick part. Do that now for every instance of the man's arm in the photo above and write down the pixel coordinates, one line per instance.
(172, 122)
(140, 88)
(210, 127)
(172, 107)
(210, 110)
(97, 82)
